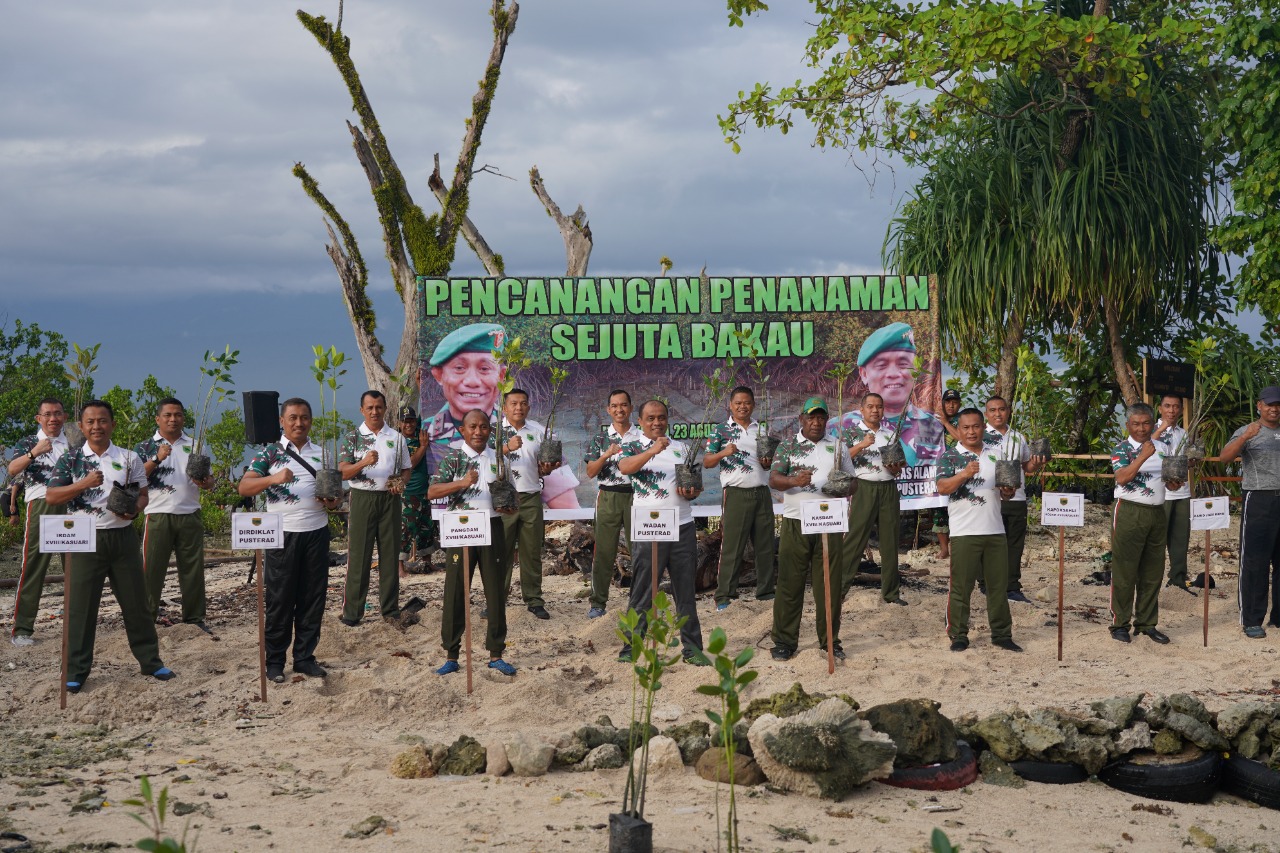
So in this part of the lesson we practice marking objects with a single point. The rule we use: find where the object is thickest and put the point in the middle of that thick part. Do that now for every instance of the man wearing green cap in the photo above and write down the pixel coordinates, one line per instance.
(885, 364)
(468, 375)
(800, 470)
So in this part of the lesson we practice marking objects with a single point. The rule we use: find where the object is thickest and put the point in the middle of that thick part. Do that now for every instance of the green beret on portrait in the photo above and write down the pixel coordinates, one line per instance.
(477, 337)
(895, 336)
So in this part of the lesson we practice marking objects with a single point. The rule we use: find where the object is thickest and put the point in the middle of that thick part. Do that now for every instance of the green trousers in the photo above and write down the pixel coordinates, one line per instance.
(34, 567)
(119, 561)
(524, 532)
(165, 534)
(745, 514)
(976, 558)
(1014, 516)
(800, 559)
(1137, 564)
(374, 516)
(457, 588)
(875, 503)
(1177, 516)
(613, 513)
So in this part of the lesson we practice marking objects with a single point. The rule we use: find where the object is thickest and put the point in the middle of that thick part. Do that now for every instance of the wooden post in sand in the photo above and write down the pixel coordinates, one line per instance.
(1209, 514)
(1062, 568)
(258, 565)
(1061, 510)
(1207, 536)
(66, 614)
(826, 584)
(466, 610)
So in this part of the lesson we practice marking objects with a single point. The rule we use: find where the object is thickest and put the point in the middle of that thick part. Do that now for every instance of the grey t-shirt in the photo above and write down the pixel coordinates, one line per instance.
(1260, 459)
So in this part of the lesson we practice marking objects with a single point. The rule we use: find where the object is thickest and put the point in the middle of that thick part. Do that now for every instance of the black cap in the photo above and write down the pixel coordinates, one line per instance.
(1270, 394)
(408, 413)
(950, 394)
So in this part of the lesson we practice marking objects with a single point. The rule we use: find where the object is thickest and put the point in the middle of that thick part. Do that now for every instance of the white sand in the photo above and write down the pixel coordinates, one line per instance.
(313, 760)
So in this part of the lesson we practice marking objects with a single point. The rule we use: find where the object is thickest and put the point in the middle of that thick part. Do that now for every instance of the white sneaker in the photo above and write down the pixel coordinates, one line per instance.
(22, 640)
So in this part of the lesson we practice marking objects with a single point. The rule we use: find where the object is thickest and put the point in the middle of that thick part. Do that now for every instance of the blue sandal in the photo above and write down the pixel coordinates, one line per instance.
(502, 666)
(450, 667)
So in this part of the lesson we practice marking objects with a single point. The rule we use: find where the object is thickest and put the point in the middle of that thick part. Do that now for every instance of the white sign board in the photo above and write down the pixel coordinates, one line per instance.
(465, 528)
(1062, 509)
(654, 524)
(254, 530)
(1210, 513)
(68, 534)
(827, 515)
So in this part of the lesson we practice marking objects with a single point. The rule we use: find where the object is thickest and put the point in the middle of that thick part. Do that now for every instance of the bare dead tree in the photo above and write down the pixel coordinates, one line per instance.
(416, 244)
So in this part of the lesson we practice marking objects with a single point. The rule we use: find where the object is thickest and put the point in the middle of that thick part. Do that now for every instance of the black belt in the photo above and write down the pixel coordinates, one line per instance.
(622, 490)
(1272, 492)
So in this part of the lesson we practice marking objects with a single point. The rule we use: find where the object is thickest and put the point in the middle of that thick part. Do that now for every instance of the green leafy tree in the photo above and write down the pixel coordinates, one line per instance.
(136, 411)
(30, 370)
(1102, 182)
(1249, 119)
(226, 443)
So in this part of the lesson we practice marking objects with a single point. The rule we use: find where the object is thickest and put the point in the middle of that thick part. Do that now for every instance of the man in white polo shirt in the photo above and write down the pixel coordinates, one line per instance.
(800, 470)
(1177, 502)
(525, 530)
(295, 577)
(746, 504)
(173, 525)
(462, 479)
(34, 459)
(1007, 443)
(613, 502)
(651, 464)
(875, 502)
(375, 459)
(1138, 529)
(967, 476)
(84, 479)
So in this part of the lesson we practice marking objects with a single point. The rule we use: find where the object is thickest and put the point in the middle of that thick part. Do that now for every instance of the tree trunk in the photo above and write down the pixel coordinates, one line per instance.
(1125, 379)
(414, 243)
(1007, 370)
(574, 230)
(1077, 438)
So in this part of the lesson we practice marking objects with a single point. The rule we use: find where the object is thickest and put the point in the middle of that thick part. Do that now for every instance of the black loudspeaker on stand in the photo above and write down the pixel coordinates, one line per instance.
(261, 416)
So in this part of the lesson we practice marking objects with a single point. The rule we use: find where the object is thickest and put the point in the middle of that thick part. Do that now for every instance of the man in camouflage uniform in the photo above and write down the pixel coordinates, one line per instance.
(173, 526)
(417, 529)
(34, 460)
(885, 362)
(799, 471)
(462, 481)
(746, 504)
(875, 502)
(950, 420)
(613, 502)
(1138, 529)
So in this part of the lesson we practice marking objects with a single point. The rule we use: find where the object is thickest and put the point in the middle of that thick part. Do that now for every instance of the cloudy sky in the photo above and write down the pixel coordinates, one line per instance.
(146, 200)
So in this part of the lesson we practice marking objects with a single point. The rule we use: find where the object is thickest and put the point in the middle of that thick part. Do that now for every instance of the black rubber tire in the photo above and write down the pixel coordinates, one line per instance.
(1193, 781)
(946, 776)
(1252, 780)
(1050, 772)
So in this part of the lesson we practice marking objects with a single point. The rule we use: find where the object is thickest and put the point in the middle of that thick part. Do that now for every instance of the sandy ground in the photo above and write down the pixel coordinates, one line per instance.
(297, 771)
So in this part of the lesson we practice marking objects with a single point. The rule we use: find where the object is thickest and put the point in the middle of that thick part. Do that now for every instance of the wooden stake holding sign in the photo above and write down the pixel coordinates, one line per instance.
(66, 535)
(654, 525)
(826, 516)
(259, 532)
(1061, 510)
(466, 529)
(1209, 514)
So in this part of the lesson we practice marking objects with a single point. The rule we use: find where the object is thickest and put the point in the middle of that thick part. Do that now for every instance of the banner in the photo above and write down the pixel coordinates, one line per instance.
(663, 337)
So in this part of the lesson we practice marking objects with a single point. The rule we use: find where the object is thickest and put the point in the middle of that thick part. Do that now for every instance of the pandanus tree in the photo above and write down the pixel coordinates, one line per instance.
(1077, 123)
